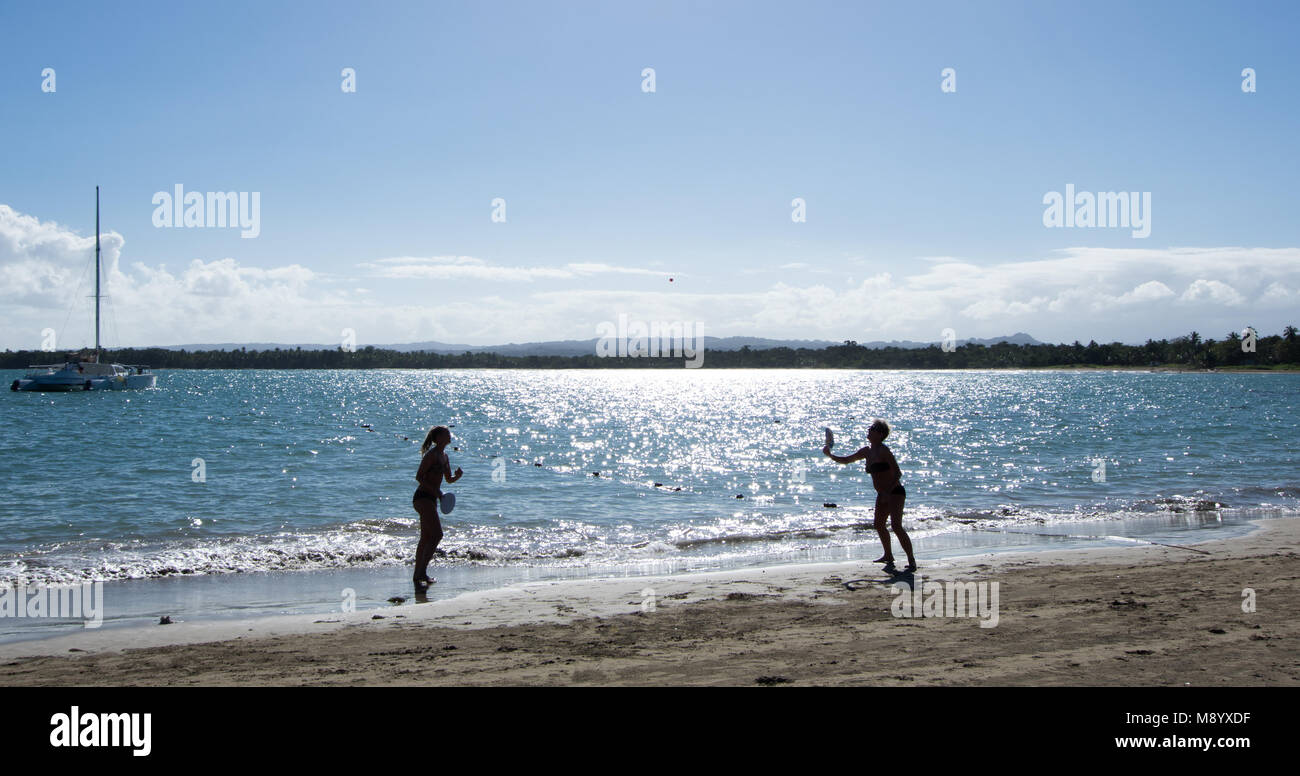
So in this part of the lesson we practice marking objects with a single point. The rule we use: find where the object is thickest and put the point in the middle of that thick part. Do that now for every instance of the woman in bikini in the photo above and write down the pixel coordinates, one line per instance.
(890, 495)
(434, 468)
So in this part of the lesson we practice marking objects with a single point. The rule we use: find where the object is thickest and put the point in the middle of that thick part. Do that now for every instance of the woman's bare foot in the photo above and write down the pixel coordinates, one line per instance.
(884, 559)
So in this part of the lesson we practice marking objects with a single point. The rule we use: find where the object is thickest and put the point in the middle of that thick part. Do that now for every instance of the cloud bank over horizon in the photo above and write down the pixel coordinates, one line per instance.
(1083, 293)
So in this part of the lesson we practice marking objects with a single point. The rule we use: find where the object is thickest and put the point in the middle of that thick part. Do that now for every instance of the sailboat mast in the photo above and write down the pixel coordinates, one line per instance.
(97, 274)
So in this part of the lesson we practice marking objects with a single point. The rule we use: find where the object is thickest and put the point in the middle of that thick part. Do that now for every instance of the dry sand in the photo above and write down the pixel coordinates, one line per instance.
(1141, 615)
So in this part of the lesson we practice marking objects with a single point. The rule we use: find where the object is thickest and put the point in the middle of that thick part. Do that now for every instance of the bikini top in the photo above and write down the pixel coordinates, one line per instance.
(436, 469)
(878, 467)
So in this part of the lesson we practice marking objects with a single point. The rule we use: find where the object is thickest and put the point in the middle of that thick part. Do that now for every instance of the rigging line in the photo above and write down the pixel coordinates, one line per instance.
(72, 303)
(112, 312)
(112, 320)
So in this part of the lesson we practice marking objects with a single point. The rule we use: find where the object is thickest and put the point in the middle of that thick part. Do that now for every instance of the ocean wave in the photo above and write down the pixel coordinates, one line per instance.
(380, 542)
(1179, 504)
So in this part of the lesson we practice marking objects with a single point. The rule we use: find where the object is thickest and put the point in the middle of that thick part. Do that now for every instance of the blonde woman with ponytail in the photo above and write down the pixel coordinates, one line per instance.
(434, 469)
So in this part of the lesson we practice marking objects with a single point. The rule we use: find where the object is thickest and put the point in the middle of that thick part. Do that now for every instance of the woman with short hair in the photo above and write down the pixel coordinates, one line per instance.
(890, 495)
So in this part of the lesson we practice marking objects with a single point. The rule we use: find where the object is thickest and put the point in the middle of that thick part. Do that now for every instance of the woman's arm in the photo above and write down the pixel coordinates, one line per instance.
(446, 471)
(858, 456)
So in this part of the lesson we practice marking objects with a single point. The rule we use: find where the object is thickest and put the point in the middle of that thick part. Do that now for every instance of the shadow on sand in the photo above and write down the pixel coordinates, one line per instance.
(887, 577)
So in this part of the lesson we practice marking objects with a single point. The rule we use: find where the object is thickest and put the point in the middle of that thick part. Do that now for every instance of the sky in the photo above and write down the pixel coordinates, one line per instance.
(505, 171)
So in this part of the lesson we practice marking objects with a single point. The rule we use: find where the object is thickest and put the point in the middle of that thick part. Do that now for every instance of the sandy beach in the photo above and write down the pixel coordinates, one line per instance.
(1140, 615)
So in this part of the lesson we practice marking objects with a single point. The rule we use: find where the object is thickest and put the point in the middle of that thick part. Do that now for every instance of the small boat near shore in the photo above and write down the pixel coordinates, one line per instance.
(85, 372)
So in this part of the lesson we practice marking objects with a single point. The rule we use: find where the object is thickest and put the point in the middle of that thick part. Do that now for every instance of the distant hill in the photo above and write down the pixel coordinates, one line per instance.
(1019, 338)
(586, 347)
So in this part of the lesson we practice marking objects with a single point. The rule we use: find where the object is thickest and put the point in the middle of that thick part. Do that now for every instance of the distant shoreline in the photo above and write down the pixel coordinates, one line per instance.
(672, 364)
(1191, 353)
(1169, 368)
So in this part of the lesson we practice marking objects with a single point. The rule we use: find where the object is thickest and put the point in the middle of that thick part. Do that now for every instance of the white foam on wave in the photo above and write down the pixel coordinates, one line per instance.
(376, 542)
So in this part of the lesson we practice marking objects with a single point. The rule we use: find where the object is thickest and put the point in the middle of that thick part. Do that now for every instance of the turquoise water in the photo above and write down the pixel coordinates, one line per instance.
(313, 470)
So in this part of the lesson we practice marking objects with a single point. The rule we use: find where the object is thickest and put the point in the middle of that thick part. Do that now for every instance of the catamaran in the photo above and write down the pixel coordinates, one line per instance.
(85, 372)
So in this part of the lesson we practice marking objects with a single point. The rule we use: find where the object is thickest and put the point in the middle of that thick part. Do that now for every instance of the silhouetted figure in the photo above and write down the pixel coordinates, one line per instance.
(434, 469)
(890, 495)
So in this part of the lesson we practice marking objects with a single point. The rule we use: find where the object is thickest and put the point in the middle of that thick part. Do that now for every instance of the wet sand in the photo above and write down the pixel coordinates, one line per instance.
(1140, 615)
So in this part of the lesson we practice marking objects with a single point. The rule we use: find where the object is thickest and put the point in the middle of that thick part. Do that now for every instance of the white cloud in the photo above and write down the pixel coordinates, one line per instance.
(1213, 291)
(1078, 293)
(470, 268)
(1150, 291)
(1277, 295)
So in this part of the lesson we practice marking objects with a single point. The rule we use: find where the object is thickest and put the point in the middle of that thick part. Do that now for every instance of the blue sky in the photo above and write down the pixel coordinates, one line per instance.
(924, 208)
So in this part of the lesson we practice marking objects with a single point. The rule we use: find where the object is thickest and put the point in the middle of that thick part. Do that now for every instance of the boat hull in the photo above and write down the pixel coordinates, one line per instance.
(49, 385)
(67, 384)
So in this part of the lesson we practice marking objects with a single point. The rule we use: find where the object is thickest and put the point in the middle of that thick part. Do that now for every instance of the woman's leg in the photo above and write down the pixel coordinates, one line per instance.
(896, 513)
(882, 512)
(430, 535)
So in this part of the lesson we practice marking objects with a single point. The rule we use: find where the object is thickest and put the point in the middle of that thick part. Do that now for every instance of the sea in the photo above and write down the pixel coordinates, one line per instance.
(236, 493)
